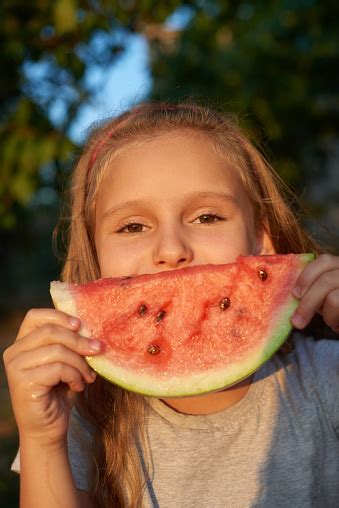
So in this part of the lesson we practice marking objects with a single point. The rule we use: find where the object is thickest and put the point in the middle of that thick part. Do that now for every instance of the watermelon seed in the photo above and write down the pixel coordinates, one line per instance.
(262, 274)
(224, 303)
(153, 349)
(161, 316)
(142, 310)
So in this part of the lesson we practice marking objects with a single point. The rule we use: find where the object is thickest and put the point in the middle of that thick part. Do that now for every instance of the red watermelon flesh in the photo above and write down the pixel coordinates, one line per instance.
(187, 331)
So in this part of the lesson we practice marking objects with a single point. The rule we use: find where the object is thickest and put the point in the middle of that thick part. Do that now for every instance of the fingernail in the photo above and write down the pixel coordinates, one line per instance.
(297, 292)
(74, 321)
(298, 321)
(95, 345)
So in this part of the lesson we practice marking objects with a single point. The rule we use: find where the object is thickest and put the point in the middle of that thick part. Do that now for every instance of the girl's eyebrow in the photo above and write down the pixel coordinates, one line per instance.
(229, 199)
(120, 207)
(224, 196)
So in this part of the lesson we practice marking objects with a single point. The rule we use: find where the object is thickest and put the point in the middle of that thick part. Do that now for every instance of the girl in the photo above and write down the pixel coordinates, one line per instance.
(162, 187)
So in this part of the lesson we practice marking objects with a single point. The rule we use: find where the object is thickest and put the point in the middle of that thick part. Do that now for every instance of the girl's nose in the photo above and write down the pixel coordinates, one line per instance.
(172, 250)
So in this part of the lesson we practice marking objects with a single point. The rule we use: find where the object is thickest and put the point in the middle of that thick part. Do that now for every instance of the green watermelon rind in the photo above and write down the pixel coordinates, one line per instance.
(197, 383)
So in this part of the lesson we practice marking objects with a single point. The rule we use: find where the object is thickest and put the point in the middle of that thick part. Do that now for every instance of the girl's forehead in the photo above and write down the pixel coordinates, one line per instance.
(169, 174)
(173, 161)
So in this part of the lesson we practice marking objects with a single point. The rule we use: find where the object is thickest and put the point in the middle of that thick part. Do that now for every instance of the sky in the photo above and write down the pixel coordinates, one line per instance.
(124, 83)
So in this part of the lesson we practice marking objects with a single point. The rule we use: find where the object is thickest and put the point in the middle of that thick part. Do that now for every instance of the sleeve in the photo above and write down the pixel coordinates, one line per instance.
(79, 440)
(16, 463)
(323, 358)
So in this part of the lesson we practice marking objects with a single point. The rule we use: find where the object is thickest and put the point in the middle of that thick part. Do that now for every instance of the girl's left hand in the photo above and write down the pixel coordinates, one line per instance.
(318, 290)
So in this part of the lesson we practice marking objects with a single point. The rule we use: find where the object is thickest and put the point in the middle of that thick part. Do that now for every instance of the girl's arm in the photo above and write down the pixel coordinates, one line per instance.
(45, 367)
(45, 477)
(318, 290)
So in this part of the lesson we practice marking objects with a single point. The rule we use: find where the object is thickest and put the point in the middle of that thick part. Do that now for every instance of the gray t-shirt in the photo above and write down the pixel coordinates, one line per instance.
(277, 447)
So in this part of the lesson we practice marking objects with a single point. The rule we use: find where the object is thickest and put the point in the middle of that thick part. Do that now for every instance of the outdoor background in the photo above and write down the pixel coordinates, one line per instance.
(67, 63)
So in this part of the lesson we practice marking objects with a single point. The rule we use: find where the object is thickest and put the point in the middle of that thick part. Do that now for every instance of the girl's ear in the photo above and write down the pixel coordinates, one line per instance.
(264, 244)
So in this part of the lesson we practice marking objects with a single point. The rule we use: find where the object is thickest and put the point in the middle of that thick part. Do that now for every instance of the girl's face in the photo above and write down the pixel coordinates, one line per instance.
(169, 203)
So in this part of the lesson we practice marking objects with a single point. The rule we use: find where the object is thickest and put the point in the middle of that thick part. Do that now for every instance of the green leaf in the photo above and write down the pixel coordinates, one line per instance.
(65, 16)
(22, 186)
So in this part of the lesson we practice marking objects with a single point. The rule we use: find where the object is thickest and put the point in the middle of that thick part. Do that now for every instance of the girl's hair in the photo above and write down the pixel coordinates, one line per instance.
(118, 415)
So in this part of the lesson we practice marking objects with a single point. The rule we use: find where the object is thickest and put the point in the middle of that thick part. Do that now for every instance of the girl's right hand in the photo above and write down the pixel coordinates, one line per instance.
(45, 367)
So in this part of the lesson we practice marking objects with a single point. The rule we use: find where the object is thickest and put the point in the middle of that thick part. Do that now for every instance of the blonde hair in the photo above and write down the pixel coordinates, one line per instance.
(118, 415)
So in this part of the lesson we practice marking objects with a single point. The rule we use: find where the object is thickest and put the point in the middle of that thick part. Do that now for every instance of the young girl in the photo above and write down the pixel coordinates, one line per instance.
(159, 188)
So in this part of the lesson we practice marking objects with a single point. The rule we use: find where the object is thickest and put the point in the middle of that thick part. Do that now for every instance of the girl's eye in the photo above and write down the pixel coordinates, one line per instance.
(134, 227)
(209, 218)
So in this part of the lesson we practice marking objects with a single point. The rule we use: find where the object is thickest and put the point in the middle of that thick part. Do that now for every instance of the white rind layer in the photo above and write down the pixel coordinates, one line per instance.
(63, 300)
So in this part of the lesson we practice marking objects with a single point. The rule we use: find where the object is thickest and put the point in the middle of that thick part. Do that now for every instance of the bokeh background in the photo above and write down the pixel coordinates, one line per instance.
(67, 63)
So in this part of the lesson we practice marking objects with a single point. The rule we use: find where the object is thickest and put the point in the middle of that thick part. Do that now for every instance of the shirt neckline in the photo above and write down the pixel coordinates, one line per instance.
(227, 418)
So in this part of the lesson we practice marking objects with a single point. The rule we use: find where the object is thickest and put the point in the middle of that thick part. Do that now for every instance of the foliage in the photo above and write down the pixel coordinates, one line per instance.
(9, 481)
(275, 63)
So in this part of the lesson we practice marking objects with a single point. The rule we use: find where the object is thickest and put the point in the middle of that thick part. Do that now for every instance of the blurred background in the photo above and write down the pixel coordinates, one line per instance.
(68, 63)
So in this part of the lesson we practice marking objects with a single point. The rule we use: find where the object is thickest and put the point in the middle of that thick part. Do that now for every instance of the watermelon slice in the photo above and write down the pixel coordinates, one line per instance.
(188, 331)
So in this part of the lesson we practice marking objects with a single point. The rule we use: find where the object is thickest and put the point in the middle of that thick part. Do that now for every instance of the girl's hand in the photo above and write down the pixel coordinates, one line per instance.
(45, 367)
(318, 290)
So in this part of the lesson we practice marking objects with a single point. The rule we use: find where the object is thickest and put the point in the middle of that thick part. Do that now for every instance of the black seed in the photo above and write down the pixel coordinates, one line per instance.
(142, 310)
(224, 303)
(262, 274)
(161, 316)
(153, 349)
